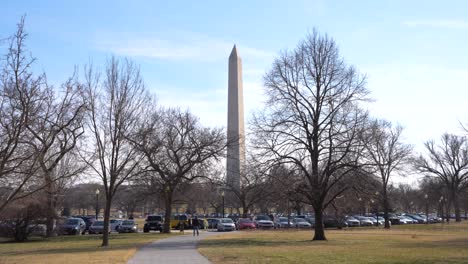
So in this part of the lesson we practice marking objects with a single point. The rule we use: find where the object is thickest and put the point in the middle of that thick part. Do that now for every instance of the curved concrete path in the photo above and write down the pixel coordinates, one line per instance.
(175, 250)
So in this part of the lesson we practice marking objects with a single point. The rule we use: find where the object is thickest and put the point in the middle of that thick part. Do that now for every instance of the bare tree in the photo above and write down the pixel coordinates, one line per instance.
(19, 88)
(115, 104)
(253, 186)
(449, 162)
(312, 120)
(177, 150)
(56, 127)
(386, 154)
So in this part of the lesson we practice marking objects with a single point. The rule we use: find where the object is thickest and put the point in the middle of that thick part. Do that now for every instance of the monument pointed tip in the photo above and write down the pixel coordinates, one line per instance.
(234, 52)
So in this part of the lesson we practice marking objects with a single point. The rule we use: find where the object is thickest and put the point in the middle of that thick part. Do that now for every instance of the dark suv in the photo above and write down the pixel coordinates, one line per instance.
(153, 222)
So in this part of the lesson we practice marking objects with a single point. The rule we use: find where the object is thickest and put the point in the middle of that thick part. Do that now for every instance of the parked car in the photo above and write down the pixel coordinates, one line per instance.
(245, 223)
(226, 224)
(114, 224)
(408, 219)
(365, 221)
(311, 220)
(128, 226)
(203, 223)
(37, 230)
(282, 222)
(72, 226)
(88, 219)
(433, 218)
(374, 221)
(330, 221)
(153, 222)
(213, 223)
(301, 223)
(352, 222)
(416, 217)
(182, 219)
(97, 227)
(263, 221)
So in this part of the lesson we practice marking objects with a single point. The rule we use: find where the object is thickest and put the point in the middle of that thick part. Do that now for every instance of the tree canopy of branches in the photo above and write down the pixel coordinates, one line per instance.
(39, 128)
(18, 87)
(312, 120)
(448, 161)
(254, 186)
(177, 150)
(115, 103)
(386, 154)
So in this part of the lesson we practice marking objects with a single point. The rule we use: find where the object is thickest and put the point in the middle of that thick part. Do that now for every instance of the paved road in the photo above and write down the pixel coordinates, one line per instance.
(175, 250)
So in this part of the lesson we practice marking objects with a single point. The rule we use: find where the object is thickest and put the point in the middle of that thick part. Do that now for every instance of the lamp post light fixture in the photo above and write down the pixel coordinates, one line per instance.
(97, 203)
(427, 208)
(222, 195)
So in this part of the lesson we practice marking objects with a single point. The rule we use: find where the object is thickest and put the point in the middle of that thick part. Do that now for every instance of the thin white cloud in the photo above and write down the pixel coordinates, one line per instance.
(438, 23)
(211, 105)
(175, 47)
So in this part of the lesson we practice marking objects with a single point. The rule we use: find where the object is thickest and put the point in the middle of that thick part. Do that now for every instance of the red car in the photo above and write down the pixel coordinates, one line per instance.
(245, 223)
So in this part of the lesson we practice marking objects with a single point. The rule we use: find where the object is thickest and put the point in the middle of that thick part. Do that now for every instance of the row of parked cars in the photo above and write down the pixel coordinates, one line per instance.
(308, 221)
(79, 225)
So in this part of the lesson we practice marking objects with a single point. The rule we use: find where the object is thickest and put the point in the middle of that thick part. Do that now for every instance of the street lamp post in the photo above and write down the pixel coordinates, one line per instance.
(427, 208)
(360, 205)
(97, 203)
(372, 205)
(377, 208)
(222, 195)
(441, 201)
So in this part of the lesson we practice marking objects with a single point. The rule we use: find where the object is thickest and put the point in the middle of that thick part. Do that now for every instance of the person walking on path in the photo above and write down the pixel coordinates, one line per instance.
(195, 225)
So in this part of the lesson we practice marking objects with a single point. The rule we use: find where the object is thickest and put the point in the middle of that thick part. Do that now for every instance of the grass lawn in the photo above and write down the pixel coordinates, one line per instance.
(76, 249)
(435, 243)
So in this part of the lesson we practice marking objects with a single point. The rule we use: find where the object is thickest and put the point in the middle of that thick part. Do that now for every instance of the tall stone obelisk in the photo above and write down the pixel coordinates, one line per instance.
(235, 122)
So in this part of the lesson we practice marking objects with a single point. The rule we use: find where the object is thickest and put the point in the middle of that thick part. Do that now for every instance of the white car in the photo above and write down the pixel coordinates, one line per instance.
(365, 221)
(301, 223)
(352, 222)
(263, 221)
(226, 224)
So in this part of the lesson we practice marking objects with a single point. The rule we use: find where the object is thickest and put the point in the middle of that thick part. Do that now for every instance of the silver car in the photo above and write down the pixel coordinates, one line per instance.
(301, 223)
(226, 224)
(114, 224)
(282, 222)
(364, 221)
(97, 228)
(128, 226)
(351, 221)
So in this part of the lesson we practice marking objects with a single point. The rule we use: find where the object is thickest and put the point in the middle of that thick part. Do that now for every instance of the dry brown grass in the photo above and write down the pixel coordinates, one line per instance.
(410, 244)
(76, 249)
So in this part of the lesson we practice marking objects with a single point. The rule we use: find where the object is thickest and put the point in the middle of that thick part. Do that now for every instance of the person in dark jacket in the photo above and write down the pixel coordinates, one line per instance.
(195, 225)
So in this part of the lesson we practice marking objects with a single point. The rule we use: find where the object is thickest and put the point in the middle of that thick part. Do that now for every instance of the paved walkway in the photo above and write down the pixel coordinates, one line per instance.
(175, 250)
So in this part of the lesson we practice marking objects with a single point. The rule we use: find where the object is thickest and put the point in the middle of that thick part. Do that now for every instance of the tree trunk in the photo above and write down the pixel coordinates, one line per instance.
(319, 233)
(456, 206)
(447, 211)
(105, 231)
(167, 215)
(50, 215)
(386, 209)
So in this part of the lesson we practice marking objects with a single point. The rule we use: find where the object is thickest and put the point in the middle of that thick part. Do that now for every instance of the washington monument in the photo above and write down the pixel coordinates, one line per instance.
(235, 122)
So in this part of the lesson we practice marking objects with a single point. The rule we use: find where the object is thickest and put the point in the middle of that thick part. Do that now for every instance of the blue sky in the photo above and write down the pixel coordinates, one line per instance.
(413, 52)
